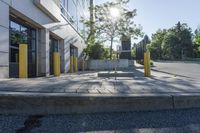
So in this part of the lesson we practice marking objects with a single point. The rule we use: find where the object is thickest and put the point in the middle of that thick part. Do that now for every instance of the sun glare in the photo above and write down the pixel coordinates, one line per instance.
(114, 12)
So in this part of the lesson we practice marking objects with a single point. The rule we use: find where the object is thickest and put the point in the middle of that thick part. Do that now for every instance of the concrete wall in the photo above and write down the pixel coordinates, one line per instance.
(66, 56)
(47, 20)
(4, 39)
(43, 52)
(108, 64)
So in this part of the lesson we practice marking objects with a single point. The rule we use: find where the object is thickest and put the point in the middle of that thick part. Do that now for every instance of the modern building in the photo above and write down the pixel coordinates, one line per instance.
(45, 27)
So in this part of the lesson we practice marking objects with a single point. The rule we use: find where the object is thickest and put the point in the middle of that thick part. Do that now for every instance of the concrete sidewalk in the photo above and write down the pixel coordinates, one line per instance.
(89, 83)
(86, 93)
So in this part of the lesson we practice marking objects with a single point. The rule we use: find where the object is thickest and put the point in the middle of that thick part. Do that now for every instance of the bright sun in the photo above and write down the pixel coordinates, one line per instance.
(114, 12)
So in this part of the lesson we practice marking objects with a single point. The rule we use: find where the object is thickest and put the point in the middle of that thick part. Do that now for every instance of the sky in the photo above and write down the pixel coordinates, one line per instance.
(155, 14)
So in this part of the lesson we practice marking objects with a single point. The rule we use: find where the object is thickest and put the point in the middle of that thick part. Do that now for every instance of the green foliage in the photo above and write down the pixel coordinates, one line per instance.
(106, 28)
(184, 34)
(110, 27)
(97, 51)
(155, 47)
(197, 39)
(151, 63)
(196, 46)
(106, 53)
(174, 43)
(171, 47)
(133, 53)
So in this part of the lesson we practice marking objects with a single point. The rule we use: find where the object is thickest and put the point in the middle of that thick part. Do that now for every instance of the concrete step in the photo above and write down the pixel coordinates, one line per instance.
(65, 103)
(115, 74)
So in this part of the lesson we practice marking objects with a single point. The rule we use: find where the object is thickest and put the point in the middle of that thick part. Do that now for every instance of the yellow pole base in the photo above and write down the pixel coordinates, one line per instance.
(23, 60)
(56, 60)
(71, 64)
(147, 67)
(75, 64)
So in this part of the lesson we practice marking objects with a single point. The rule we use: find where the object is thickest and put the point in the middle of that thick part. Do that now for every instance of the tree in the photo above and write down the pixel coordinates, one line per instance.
(155, 47)
(89, 28)
(197, 37)
(98, 51)
(108, 27)
(177, 43)
(106, 53)
(197, 43)
(133, 53)
(171, 46)
(184, 35)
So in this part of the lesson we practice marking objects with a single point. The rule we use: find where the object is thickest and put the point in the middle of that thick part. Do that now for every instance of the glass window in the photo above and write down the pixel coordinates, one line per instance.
(72, 11)
(24, 30)
(22, 34)
(62, 2)
(55, 45)
(14, 26)
(33, 34)
(14, 37)
(14, 55)
(33, 45)
(71, 51)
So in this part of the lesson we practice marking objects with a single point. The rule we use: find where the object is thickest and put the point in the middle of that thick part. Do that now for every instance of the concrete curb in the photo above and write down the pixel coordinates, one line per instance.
(59, 103)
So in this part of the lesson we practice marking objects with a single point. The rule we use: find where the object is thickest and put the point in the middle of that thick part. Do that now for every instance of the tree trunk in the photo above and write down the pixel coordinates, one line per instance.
(92, 32)
(111, 48)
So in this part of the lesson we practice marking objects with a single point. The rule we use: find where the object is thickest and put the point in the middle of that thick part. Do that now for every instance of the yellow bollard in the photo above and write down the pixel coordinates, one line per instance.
(23, 60)
(75, 64)
(56, 60)
(71, 64)
(147, 69)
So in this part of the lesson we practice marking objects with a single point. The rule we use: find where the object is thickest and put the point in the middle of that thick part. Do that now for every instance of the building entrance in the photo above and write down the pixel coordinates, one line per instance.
(53, 47)
(21, 33)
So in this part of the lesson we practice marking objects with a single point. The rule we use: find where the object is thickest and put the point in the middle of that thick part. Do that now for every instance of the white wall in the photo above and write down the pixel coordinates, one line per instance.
(4, 39)
(28, 11)
(107, 64)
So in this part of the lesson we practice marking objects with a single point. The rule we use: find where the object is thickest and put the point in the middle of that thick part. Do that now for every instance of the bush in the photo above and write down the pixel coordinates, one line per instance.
(151, 63)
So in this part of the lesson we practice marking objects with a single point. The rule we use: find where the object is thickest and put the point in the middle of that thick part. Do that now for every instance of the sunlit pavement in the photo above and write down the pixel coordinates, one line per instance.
(173, 121)
(189, 69)
(168, 121)
(163, 80)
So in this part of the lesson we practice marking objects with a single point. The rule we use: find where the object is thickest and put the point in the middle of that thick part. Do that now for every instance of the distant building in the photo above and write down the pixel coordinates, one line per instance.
(125, 52)
(45, 26)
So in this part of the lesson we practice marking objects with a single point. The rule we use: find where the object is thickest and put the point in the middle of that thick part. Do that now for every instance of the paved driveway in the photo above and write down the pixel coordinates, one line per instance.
(190, 69)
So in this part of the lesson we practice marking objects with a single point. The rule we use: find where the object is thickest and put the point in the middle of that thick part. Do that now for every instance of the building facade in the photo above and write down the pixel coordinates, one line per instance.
(45, 27)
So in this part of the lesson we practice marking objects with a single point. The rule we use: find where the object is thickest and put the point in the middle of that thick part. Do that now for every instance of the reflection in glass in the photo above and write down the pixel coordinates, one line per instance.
(21, 34)
(14, 56)
(14, 26)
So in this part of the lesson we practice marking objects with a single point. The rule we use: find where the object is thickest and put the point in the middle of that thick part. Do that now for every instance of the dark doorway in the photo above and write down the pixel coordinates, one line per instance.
(53, 47)
(74, 54)
(21, 33)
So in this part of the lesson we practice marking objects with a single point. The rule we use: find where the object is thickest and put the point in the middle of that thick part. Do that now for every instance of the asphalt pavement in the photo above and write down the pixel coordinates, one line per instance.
(166, 121)
(188, 69)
